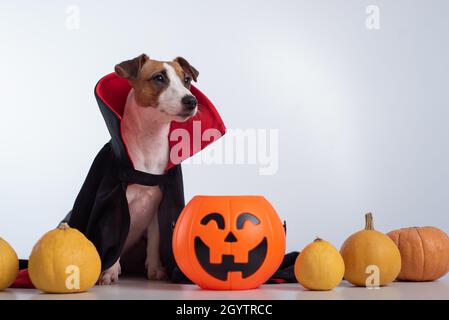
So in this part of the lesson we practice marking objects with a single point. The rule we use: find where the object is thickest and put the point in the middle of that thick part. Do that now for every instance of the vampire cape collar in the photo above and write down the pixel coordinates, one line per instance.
(111, 93)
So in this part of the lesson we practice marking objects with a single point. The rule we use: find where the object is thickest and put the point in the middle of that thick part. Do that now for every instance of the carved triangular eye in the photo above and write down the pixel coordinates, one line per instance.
(246, 216)
(218, 218)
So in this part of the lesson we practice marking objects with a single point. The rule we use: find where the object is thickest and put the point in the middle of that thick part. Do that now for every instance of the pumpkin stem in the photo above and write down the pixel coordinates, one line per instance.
(369, 225)
(63, 226)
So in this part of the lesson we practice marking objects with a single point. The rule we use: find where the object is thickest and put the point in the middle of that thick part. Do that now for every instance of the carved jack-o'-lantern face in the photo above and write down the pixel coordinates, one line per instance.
(229, 242)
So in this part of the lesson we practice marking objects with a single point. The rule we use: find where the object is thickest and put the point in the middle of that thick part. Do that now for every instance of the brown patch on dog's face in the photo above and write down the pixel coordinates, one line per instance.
(147, 77)
(150, 83)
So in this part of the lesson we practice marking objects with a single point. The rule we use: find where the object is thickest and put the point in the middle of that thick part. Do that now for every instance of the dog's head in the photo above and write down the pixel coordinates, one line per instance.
(164, 85)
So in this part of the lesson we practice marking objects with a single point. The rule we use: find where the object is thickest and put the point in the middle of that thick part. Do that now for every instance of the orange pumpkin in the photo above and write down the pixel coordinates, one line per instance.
(229, 242)
(424, 253)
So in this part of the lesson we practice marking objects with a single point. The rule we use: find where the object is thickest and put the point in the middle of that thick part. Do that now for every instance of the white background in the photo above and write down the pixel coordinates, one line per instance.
(362, 114)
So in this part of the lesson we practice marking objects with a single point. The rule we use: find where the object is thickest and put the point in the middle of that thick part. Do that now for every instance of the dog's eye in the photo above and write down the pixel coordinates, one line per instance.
(187, 79)
(159, 78)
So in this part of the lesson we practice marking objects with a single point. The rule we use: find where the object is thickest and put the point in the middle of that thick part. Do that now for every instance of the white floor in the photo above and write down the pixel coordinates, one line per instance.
(143, 289)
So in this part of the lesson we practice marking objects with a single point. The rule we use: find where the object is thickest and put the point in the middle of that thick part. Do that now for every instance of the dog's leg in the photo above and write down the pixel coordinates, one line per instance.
(110, 276)
(155, 270)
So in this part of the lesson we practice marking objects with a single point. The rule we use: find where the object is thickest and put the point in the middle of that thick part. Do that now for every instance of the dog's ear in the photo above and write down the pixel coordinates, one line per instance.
(129, 69)
(185, 65)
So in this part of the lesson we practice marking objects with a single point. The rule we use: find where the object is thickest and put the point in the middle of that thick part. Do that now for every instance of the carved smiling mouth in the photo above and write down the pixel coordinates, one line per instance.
(220, 271)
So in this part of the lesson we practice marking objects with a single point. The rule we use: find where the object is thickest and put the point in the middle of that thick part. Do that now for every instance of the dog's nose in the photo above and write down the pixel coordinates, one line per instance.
(189, 102)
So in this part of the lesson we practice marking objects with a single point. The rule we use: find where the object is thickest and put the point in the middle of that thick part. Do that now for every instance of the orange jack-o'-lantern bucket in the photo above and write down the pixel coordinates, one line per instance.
(229, 242)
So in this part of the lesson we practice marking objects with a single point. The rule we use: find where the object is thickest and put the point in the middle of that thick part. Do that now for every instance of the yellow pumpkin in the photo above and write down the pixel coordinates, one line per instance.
(319, 266)
(64, 261)
(9, 264)
(371, 257)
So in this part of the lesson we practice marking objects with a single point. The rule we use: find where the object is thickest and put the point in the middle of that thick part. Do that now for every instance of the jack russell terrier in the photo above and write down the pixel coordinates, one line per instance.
(160, 94)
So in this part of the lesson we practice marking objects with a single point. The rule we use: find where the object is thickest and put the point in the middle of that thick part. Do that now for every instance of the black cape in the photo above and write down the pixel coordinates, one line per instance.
(101, 210)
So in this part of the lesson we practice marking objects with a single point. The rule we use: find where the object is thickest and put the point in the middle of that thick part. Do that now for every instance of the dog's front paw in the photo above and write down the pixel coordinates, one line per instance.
(156, 273)
(110, 276)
